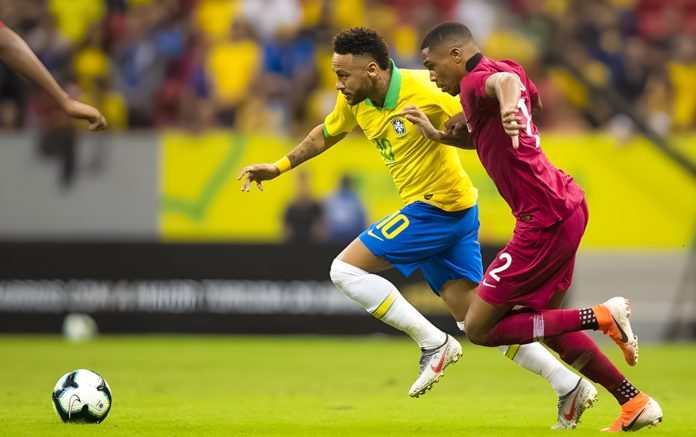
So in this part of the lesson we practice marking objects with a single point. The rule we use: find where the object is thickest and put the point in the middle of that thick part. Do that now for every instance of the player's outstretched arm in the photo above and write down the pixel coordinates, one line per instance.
(507, 88)
(314, 144)
(17, 54)
(453, 136)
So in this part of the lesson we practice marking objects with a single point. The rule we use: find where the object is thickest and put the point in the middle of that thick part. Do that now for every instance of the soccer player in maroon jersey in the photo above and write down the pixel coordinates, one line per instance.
(519, 297)
(16, 54)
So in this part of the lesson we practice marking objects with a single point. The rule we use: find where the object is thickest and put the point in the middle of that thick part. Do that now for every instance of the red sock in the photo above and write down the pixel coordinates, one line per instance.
(521, 327)
(582, 353)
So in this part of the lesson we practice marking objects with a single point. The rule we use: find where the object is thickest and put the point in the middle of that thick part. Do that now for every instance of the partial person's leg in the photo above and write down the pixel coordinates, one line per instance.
(457, 295)
(546, 266)
(582, 353)
(408, 239)
(353, 273)
(487, 326)
(455, 273)
(529, 271)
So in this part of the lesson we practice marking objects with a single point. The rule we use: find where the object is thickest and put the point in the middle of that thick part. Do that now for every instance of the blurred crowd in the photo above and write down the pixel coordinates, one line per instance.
(264, 65)
(636, 54)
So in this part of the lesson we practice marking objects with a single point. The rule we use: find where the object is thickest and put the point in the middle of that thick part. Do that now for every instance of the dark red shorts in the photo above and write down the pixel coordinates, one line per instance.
(535, 264)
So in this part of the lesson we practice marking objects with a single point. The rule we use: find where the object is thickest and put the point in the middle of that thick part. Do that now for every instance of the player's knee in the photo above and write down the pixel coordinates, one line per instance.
(476, 338)
(474, 333)
(342, 273)
(336, 273)
(462, 327)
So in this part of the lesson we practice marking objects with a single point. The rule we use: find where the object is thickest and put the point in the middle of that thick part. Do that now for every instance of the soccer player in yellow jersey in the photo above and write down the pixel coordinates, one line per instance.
(435, 231)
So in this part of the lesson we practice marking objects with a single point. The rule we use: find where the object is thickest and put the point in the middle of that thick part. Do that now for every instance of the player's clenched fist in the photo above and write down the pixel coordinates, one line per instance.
(257, 173)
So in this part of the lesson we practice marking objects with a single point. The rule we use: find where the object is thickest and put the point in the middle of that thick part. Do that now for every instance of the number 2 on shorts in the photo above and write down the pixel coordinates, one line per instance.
(508, 261)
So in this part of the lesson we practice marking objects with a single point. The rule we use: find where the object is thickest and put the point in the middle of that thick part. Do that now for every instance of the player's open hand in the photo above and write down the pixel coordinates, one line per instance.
(511, 124)
(420, 121)
(257, 173)
(82, 111)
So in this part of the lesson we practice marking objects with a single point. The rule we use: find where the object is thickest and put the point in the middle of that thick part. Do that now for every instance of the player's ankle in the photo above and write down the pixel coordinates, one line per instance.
(590, 318)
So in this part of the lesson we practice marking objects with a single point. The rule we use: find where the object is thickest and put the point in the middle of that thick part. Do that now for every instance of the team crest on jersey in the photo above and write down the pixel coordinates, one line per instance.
(399, 126)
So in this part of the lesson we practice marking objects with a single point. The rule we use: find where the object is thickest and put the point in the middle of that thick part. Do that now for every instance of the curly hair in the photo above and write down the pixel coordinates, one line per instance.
(362, 42)
(444, 32)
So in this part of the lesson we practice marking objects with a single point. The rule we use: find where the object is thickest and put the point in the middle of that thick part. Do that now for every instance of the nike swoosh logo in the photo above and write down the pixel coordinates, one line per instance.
(624, 337)
(488, 285)
(437, 368)
(74, 400)
(372, 234)
(569, 416)
(633, 422)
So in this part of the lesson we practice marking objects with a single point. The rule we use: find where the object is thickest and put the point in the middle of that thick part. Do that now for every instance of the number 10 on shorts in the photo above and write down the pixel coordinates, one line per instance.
(393, 225)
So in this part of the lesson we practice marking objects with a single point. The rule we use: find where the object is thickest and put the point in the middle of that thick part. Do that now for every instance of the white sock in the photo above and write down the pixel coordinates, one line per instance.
(382, 300)
(537, 359)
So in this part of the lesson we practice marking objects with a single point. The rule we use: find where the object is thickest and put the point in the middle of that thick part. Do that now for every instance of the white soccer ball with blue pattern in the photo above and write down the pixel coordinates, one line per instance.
(82, 396)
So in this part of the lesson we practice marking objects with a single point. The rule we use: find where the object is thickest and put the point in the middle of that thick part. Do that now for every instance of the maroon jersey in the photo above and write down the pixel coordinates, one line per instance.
(538, 193)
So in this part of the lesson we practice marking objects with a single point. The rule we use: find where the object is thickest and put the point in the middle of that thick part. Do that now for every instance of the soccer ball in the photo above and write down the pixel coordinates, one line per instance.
(82, 396)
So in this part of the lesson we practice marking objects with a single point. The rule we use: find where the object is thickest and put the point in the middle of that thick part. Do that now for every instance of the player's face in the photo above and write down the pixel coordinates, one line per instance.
(352, 77)
(444, 68)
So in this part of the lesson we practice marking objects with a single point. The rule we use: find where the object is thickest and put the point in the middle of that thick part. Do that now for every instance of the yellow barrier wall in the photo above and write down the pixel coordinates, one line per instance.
(637, 198)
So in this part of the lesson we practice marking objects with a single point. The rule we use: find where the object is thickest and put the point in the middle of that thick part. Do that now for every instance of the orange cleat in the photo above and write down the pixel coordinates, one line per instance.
(612, 318)
(639, 412)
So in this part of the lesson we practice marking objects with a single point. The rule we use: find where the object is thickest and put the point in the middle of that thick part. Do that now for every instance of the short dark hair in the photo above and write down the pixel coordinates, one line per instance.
(362, 42)
(445, 32)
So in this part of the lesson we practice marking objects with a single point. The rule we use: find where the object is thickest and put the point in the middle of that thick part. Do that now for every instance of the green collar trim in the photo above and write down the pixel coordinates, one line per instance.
(392, 97)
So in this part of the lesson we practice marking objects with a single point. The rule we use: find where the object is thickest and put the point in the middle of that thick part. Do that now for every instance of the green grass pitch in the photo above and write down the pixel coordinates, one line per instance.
(311, 386)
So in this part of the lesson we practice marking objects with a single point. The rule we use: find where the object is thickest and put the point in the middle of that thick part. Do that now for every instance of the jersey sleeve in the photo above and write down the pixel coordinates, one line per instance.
(341, 120)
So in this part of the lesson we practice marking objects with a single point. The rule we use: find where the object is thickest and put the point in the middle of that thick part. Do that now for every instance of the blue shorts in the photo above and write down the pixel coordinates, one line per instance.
(444, 245)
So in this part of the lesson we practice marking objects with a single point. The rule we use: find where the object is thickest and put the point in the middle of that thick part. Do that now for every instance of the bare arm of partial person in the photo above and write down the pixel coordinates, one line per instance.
(314, 144)
(507, 88)
(17, 54)
(455, 133)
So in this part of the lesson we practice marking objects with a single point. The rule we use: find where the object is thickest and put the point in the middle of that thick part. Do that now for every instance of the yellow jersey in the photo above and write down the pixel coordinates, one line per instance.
(422, 169)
